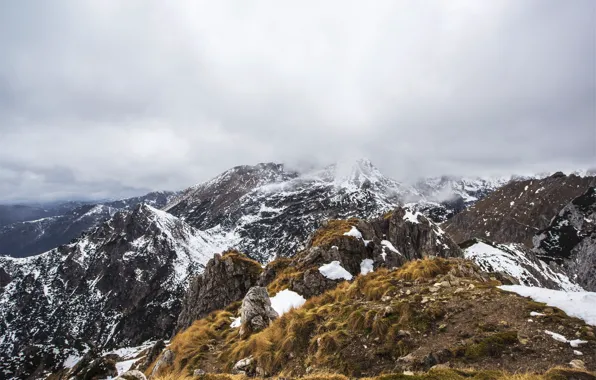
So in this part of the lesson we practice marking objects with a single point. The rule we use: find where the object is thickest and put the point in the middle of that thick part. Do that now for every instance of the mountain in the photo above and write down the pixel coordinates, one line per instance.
(14, 213)
(515, 212)
(519, 263)
(570, 239)
(267, 210)
(469, 190)
(119, 284)
(63, 222)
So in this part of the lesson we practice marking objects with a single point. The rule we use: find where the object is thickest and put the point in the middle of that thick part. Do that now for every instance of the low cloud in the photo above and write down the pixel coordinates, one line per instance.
(111, 98)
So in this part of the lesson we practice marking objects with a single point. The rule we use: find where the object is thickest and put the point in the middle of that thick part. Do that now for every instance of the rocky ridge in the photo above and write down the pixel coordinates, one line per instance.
(61, 223)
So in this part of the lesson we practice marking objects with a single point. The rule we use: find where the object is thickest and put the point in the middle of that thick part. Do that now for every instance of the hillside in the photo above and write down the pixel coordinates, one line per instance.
(515, 212)
(120, 284)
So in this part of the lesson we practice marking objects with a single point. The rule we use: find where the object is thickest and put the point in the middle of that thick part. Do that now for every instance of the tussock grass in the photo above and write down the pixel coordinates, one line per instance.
(333, 229)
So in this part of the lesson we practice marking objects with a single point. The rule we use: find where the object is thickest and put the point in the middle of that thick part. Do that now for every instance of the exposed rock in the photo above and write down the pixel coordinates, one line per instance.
(199, 372)
(515, 263)
(578, 364)
(101, 368)
(256, 311)
(515, 212)
(4, 278)
(165, 359)
(153, 353)
(132, 375)
(226, 279)
(389, 241)
(570, 240)
(245, 366)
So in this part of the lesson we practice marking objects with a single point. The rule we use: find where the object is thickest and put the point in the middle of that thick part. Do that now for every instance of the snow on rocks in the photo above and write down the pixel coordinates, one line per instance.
(412, 217)
(518, 263)
(576, 304)
(366, 267)
(354, 232)
(286, 300)
(334, 271)
(282, 302)
(560, 338)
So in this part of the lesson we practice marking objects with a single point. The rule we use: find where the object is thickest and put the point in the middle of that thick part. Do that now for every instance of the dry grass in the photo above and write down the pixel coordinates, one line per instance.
(433, 374)
(333, 229)
(425, 268)
(238, 256)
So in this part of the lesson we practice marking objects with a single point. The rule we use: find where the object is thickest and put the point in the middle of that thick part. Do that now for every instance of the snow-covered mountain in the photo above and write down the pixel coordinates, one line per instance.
(519, 263)
(120, 284)
(267, 210)
(63, 222)
(570, 239)
(468, 189)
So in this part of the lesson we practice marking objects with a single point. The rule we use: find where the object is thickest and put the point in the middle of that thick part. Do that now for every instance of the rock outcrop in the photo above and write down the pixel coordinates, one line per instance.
(570, 239)
(389, 241)
(515, 212)
(256, 311)
(227, 278)
(4, 278)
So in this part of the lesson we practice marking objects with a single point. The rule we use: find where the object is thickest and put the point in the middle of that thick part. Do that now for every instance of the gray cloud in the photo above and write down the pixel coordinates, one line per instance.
(108, 98)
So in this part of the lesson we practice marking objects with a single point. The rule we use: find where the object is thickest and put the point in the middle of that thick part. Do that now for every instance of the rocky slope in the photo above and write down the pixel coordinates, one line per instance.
(515, 212)
(570, 239)
(120, 284)
(429, 312)
(59, 224)
(518, 263)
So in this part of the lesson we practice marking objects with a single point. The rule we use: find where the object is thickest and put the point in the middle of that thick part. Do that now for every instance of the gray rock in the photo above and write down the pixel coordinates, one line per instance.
(199, 372)
(153, 353)
(226, 279)
(245, 366)
(570, 240)
(256, 311)
(166, 359)
(132, 375)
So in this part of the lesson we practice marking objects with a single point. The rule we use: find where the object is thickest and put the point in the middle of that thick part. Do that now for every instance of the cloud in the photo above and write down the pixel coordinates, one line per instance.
(111, 97)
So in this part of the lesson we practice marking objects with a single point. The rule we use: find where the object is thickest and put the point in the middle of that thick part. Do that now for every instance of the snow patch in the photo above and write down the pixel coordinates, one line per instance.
(576, 304)
(412, 217)
(366, 267)
(354, 232)
(286, 300)
(560, 338)
(334, 271)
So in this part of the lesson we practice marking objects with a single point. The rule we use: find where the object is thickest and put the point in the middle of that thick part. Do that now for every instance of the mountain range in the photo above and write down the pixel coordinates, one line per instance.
(121, 273)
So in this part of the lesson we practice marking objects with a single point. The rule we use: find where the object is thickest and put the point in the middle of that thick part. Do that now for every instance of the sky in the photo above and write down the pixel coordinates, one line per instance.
(110, 98)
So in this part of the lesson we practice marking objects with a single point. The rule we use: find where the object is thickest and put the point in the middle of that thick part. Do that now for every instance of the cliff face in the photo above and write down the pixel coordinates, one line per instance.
(570, 239)
(226, 279)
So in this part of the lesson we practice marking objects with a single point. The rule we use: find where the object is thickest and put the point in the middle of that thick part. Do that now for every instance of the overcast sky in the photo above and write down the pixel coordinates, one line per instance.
(108, 98)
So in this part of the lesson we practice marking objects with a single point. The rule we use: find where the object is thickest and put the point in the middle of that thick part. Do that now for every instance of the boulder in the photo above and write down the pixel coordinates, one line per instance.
(256, 311)
(132, 375)
(245, 366)
(153, 353)
(166, 359)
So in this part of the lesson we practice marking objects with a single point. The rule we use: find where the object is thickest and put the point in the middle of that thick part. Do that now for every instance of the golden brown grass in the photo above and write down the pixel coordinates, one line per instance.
(433, 374)
(238, 256)
(331, 230)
